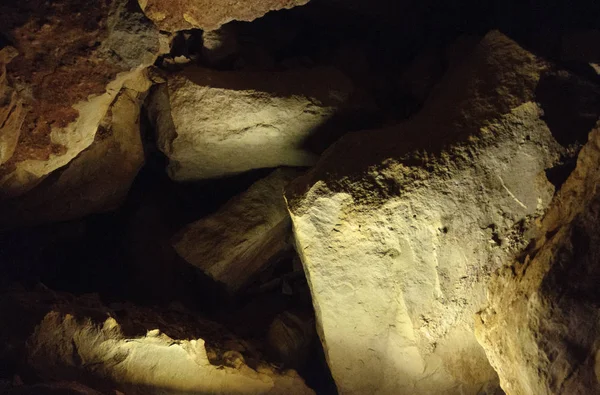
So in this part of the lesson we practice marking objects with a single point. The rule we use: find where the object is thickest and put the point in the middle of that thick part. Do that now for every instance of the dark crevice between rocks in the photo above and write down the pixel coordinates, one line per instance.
(126, 257)
(571, 106)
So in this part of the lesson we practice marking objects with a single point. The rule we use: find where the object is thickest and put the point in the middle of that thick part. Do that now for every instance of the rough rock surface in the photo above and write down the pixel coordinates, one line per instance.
(175, 15)
(400, 229)
(96, 180)
(69, 68)
(212, 123)
(541, 327)
(244, 236)
(132, 349)
(11, 109)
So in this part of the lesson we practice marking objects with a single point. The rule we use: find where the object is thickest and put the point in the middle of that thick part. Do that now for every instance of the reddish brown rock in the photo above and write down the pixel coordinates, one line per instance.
(66, 146)
(98, 179)
(69, 67)
(174, 15)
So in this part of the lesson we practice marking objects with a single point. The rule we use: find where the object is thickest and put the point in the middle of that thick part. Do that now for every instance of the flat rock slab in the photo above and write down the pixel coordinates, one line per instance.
(247, 234)
(400, 229)
(214, 123)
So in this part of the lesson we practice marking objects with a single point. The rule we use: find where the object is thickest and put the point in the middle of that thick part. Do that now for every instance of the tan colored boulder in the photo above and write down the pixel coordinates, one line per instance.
(215, 123)
(69, 69)
(399, 230)
(247, 234)
(148, 364)
(541, 327)
(175, 15)
(96, 180)
(134, 350)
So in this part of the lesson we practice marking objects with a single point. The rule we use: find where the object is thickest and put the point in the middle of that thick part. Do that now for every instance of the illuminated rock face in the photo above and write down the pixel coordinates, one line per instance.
(96, 180)
(79, 338)
(174, 15)
(212, 123)
(541, 327)
(63, 99)
(249, 232)
(400, 229)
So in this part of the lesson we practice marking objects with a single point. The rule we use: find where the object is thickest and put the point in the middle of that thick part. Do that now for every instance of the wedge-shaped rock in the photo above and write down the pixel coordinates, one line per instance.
(98, 179)
(134, 350)
(68, 74)
(541, 328)
(175, 15)
(213, 123)
(400, 229)
(244, 236)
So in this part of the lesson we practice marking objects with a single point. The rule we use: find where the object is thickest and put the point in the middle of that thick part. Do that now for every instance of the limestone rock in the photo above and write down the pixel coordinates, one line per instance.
(96, 180)
(400, 229)
(541, 327)
(70, 67)
(175, 15)
(135, 350)
(244, 236)
(212, 123)
(11, 109)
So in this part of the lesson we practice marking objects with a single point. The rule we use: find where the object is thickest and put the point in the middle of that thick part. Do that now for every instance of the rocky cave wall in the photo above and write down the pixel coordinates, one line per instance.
(297, 197)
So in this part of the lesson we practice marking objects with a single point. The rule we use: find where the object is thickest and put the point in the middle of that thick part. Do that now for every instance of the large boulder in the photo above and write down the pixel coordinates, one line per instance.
(65, 70)
(400, 229)
(131, 349)
(215, 123)
(178, 15)
(541, 327)
(247, 234)
(96, 180)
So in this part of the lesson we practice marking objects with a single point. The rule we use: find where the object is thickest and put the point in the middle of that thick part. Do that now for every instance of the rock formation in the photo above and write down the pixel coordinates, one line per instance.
(128, 349)
(11, 112)
(374, 194)
(399, 240)
(540, 328)
(211, 123)
(63, 75)
(250, 232)
(209, 15)
(98, 178)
